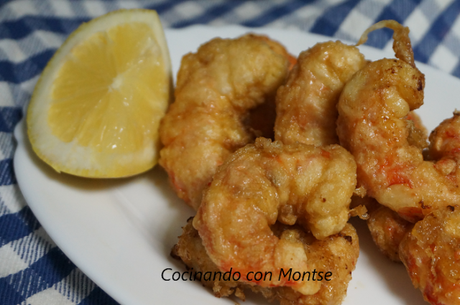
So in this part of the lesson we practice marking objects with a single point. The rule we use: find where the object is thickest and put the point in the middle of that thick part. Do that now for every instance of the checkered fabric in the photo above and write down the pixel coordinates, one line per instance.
(33, 270)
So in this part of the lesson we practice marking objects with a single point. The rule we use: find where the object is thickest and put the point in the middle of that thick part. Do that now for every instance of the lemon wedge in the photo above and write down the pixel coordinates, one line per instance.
(96, 108)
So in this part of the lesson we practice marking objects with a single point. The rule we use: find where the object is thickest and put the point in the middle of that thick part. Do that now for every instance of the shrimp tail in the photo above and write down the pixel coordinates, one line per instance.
(401, 41)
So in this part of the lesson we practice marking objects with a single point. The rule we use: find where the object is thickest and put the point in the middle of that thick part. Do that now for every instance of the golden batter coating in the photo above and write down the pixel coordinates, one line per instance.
(373, 126)
(418, 134)
(336, 254)
(190, 250)
(306, 104)
(216, 88)
(431, 255)
(445, 140)
(388, 229)
(268, 182)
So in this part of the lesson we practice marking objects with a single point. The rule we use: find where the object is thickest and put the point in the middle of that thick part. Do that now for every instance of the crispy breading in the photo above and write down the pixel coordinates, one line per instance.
(216, 88)
(336, 254)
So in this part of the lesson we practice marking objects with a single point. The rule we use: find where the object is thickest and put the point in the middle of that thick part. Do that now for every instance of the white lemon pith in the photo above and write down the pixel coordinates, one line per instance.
(96, 109)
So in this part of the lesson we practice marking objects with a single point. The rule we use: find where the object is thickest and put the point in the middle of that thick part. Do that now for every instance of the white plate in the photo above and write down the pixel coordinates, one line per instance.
(120, 232)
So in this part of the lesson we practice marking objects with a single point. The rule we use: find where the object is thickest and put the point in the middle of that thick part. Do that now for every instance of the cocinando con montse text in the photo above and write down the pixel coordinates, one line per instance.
(169, 274)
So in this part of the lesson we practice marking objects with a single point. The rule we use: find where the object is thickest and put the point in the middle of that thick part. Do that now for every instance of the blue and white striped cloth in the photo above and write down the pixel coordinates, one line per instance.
(33, 270)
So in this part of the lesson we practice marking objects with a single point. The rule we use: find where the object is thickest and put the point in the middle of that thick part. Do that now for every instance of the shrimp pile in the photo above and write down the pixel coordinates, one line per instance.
(337, 254)
(372, 125)
(430, 251)
(387, 141)
(216, 88)
(343, 126)
(266, 185)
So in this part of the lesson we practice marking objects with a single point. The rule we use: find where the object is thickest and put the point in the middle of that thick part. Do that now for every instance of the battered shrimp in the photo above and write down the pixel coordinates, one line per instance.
(306, 104)
(262, 183)
(337, 254)
(431, 255)
(418, 134)
(373, 127)
(445, 143)
(388, 229)
(216, 88)
(190, 250)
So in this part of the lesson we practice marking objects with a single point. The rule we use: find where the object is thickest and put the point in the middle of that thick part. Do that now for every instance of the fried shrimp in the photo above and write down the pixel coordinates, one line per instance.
(373, 126)
(306, 104)
(268, 182)
(388, 229)
(418, 134)
(336, 254)
(431, 255)
(445, 143)
(216, 88)
(190, 250)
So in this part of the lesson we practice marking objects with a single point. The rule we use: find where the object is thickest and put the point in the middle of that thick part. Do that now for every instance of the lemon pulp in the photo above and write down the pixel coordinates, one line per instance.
(103, 100)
